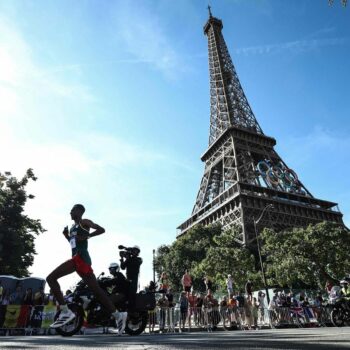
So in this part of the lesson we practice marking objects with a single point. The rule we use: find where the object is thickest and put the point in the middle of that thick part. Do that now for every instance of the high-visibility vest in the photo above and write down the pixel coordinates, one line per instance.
(346, 292)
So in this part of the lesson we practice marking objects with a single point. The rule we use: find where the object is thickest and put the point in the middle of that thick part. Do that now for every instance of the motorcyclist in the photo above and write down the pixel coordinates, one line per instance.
(345, 291)
(118, 285)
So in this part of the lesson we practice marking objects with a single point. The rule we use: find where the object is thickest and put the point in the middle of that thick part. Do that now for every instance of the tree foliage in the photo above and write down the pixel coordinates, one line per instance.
(207, 251)
(226, 256)
(307, 256)
(343, 2)
(185, 253)
(17, 230)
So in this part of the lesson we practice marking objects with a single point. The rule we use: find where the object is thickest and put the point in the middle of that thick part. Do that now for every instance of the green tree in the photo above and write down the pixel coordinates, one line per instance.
(307, 256)
(227, 256)
(208, 251)
(185, 253)
(17, 230)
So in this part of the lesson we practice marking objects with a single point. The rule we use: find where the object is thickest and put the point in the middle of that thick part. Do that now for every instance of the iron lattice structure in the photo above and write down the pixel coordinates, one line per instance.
(243, 173)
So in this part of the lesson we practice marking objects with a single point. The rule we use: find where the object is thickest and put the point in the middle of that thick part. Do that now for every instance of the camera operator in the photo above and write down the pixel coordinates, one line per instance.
(131, 262)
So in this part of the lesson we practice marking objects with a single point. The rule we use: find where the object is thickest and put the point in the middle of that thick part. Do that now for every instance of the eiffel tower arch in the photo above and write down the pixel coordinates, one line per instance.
(243, 173)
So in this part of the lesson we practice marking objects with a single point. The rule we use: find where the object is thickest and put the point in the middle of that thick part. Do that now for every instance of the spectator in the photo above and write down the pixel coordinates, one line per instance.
(163, 304)
(288, 300)
(249, 290)
(318, 305)
(319, 299)
(28, 297)
(164, 281)
(328, 286)
(209, 303)
(5, 297)
(151, 313)
(273, 309)
(281, 299)
(305, 303)
(208, 283)
(255, 313)
(240, 299)
(229, 285)
(273, 303)
(192, 300)
(39, 297)
(183, 301)
(17, 296)
(232, 308)
(248, 306)
(186, 282)
(295, 302)
(170, 297)
(1, 291)
(199, 305)
(51, 300)
(261, 303)
(223, 306)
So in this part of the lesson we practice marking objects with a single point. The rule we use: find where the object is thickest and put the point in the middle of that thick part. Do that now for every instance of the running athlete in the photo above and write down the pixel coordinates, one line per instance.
(81, 263)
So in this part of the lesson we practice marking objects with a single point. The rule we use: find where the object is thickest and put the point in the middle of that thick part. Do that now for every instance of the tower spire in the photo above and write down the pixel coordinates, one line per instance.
(209, 9)
(228, 103)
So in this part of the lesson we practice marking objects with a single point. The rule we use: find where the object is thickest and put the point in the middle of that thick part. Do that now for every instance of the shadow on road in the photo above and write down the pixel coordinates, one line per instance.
(301, 339)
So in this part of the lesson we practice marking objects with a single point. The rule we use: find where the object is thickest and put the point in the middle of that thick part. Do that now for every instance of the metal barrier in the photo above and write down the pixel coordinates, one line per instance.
(173, 319)
(37, 319)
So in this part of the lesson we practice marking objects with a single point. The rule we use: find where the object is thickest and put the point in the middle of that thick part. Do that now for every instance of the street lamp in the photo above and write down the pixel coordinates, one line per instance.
(269, 206)
(154, 266)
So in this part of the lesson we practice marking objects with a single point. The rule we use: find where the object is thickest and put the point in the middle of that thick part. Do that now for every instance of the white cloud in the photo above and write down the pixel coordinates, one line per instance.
(146, 39)
(296, 46)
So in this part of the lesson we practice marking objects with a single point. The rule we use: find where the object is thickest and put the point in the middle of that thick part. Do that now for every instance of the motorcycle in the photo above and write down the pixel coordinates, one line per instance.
(83, 303)
(340, 315)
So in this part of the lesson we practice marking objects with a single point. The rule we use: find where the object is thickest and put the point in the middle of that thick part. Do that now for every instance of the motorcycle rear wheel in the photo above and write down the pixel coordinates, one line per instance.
(337, 317)
(75, 325)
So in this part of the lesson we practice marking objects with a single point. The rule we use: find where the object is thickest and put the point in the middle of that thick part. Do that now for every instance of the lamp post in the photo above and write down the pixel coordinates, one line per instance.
(269, 206)
(154, 266)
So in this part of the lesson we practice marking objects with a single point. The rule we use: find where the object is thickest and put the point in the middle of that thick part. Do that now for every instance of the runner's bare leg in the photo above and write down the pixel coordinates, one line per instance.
(64, 269)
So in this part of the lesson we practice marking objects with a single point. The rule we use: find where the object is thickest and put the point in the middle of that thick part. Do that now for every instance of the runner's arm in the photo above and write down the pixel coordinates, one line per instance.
(66, 232)
(86, 223)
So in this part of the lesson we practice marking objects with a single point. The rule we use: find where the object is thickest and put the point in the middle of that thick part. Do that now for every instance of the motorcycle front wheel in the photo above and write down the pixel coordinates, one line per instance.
(75, 325)
(136, 323)
(337, 317)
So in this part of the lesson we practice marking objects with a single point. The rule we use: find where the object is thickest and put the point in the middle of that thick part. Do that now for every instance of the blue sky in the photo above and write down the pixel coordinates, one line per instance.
(108, 101)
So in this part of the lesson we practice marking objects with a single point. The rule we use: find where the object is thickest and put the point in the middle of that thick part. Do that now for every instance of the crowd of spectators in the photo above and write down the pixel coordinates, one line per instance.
(251, 308)
(24, 297)
(203, 308)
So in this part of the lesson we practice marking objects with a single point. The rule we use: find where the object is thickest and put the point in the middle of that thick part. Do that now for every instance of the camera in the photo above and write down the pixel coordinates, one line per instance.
(125, 252)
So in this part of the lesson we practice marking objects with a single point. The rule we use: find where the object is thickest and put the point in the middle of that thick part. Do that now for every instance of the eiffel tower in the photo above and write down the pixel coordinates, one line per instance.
(244, 176)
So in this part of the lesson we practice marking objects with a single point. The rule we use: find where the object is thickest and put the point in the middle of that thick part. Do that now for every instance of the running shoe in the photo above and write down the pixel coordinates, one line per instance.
(64, 317)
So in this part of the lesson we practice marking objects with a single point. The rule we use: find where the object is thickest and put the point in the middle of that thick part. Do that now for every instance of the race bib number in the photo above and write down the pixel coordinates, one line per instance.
(72, 242)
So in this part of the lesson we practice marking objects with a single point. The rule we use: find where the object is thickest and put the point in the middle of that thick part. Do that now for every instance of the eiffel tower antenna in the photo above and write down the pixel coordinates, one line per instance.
(209, 9)
(243, 174)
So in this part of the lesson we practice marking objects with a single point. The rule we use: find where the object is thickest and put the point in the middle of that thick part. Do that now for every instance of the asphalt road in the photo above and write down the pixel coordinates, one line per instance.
(313, 338)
